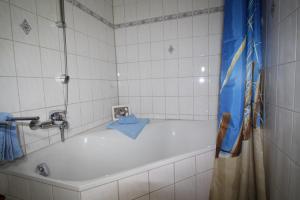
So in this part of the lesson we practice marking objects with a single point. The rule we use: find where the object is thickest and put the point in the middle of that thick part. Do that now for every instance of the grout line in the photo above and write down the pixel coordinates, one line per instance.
(16, 77)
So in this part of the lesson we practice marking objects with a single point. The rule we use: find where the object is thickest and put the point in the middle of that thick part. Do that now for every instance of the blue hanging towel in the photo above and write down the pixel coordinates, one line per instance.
(130, 125)
(10, 148)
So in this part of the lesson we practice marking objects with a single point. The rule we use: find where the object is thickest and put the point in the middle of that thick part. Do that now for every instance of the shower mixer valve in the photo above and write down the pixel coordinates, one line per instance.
(56, 119)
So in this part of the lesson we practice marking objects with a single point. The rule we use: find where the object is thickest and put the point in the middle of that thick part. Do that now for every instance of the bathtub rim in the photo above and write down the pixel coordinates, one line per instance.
(81, 186)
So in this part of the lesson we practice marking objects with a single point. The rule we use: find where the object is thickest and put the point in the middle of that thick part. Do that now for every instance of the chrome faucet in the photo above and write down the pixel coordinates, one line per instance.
(56, 119)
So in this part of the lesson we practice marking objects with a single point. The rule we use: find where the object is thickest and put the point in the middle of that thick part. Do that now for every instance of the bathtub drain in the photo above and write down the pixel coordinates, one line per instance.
(42, 169)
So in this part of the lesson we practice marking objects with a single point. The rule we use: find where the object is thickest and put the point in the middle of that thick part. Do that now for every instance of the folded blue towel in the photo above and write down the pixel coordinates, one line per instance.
(130, 119)
(131, 130)
(10, 148)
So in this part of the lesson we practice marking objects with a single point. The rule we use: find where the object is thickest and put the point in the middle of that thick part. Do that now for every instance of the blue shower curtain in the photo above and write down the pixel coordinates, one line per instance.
(239, 171)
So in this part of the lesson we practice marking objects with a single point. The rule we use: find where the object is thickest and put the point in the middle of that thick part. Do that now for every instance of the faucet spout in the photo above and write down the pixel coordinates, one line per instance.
(62, 128)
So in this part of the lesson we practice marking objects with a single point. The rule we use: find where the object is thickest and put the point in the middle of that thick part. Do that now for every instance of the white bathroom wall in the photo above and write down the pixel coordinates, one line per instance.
(30, 62)
(282, 135)
(168, 63)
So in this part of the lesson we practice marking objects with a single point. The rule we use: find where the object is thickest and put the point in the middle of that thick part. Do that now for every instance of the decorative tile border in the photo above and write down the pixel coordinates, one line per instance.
(145, 21)
(170, 17)
(90, 12)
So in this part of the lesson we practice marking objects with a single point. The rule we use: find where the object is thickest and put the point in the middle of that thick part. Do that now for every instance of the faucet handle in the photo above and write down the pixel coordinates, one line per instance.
(58, 115)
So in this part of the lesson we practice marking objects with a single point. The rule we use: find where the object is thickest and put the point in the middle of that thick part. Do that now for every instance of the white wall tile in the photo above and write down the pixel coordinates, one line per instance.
(132, 53)
(171, 68)
(132, 35)
(281, 180)
(146, 87)
(40, 191)
(285, 85)
(185, 5)
(184, 169)
(18, 187)
(216, 23)
(3, 184)
(295, 147)
(82, 47)
(145, 69)
(200, 86)
(106, 192)
(7, 61)
(130, 12)
(133, 187)
(185, 47)
(214, 65)
(186, 189)
(157, 69)
(201, 106)
(170, 29)
(213, 85)
(144, 52)
(200, 66)
(18, 16)
(286, 7)
(51, 63)
(143, 33)
(158, 87)
(200, 24)
(133, 71)
(134, 88)
(171, 49)
(172, 106)
(200, 4)
(157, 50)
(297, 87)
(172, 86)
(170, 6)
(287, 38)
(10, 101)
(27, 4)
(143, 9)
(54, 95)
(186, 87)
(186, 106)
(215, 3)
(146, 197)
(163, 194)
(185, 27)
(161, 177)
(156, 8)
(200, 46)
(294, 183)
(203, 185)
(31, 93)
(215, 43)
(213, 105)
(284, 125)
(119, 14)
(47, 8)
(186, 67)
(28, 62)
(5, 22)
(63, 194)
(146, 105)
(159, 105)
(205, 161)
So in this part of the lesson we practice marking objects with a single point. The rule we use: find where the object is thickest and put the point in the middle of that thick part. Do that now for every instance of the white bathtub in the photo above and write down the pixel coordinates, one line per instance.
(172, 158)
